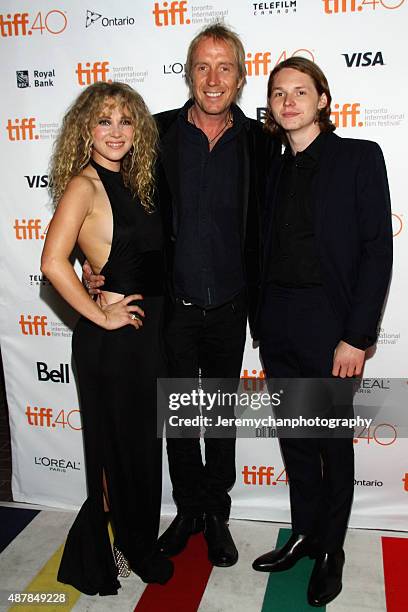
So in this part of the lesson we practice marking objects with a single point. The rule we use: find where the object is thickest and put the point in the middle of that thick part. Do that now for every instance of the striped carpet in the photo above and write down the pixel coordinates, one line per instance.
(375, 574)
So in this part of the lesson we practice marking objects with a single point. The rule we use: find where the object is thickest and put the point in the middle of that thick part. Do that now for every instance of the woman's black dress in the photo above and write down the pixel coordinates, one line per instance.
(117, 373)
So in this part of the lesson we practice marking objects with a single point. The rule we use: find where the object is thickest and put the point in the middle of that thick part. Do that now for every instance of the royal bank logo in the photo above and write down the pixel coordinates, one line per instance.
(107, 22)
(23, 79)
(39, 78)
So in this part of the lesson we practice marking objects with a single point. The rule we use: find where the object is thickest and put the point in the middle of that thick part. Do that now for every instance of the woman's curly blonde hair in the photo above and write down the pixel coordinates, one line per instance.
(73, 146)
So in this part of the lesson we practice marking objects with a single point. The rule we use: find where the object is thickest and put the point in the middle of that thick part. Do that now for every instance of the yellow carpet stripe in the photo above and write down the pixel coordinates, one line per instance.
(46, 582)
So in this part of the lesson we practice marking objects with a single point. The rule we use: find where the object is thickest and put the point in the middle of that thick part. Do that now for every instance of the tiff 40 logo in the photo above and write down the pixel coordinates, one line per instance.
(23, 24)
(352, 6)
(264, 475)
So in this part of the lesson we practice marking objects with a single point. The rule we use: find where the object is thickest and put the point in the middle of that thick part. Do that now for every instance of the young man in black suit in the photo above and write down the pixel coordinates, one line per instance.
(327, 265)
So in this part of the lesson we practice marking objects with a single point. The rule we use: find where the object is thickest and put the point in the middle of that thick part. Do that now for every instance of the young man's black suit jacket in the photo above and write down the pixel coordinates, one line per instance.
(256, 151)
(353, 231)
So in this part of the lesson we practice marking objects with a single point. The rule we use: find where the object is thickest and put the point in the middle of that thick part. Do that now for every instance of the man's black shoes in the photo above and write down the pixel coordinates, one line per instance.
(176, 536)
(284, 558)
(325, 582)
(222, 551)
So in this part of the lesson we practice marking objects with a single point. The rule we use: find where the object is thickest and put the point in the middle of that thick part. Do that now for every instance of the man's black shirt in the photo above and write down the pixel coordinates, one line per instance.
(208, 266)
(294, 259)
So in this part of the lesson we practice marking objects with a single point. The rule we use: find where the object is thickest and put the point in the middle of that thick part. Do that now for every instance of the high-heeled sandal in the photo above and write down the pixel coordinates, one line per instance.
(121, 562)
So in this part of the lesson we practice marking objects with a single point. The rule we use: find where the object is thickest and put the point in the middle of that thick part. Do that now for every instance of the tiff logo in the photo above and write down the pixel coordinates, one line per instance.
(170, 16)
(29, 229)
(405, 481)
(342, 6)
(39, 417)
(22, 129)
(259, 476)
(260, 64)
(34, 326)
(14, 25)
(98, 71)
(347, 115)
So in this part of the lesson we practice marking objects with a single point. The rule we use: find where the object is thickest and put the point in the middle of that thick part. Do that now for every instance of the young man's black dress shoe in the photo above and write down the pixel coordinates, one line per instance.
(176, 536)
(325, 581)
(284, 558)
(222, 551)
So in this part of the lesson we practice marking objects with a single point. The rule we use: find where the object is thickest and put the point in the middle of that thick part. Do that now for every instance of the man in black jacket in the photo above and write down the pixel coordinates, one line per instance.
(328, 260)
(210, 184)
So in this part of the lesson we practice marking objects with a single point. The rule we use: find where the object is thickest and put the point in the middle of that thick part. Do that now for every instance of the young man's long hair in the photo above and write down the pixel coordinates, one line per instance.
(73, 147)
(306, 66)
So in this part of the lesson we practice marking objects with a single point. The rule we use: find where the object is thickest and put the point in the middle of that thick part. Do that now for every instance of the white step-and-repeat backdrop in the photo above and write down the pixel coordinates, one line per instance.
(50, 50)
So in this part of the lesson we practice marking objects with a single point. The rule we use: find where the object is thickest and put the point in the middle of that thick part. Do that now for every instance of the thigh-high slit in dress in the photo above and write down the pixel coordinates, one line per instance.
(117, 372)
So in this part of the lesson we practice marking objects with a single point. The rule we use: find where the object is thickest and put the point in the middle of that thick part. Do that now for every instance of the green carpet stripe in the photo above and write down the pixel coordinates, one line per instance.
(287, 591)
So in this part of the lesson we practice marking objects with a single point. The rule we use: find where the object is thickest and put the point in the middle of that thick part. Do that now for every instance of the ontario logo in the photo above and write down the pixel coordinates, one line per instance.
(107, 22)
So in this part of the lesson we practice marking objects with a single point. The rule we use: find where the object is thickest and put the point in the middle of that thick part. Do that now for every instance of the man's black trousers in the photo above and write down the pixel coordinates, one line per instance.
(299, 331)
(210, 342)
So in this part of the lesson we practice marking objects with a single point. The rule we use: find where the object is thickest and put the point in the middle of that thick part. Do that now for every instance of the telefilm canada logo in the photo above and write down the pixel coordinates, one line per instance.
(92, 18)
(265, 9)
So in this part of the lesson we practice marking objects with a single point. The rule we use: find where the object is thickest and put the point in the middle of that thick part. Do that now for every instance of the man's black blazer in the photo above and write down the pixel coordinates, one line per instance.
(256, 150)
(352, 228)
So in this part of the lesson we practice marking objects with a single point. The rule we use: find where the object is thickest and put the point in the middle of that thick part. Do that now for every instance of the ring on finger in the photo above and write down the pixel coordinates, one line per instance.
(133, 317)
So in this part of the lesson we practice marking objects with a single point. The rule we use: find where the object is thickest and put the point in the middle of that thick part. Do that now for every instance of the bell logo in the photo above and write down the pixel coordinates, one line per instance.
(346, 115)
(34, 325)
(170, 16)
(29, 229)
(405, 481)
(98, 71)
(22, 129)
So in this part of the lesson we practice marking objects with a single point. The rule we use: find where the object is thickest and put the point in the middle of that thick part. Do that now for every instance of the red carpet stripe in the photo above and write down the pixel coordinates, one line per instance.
(395, 560)
(184, 591)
